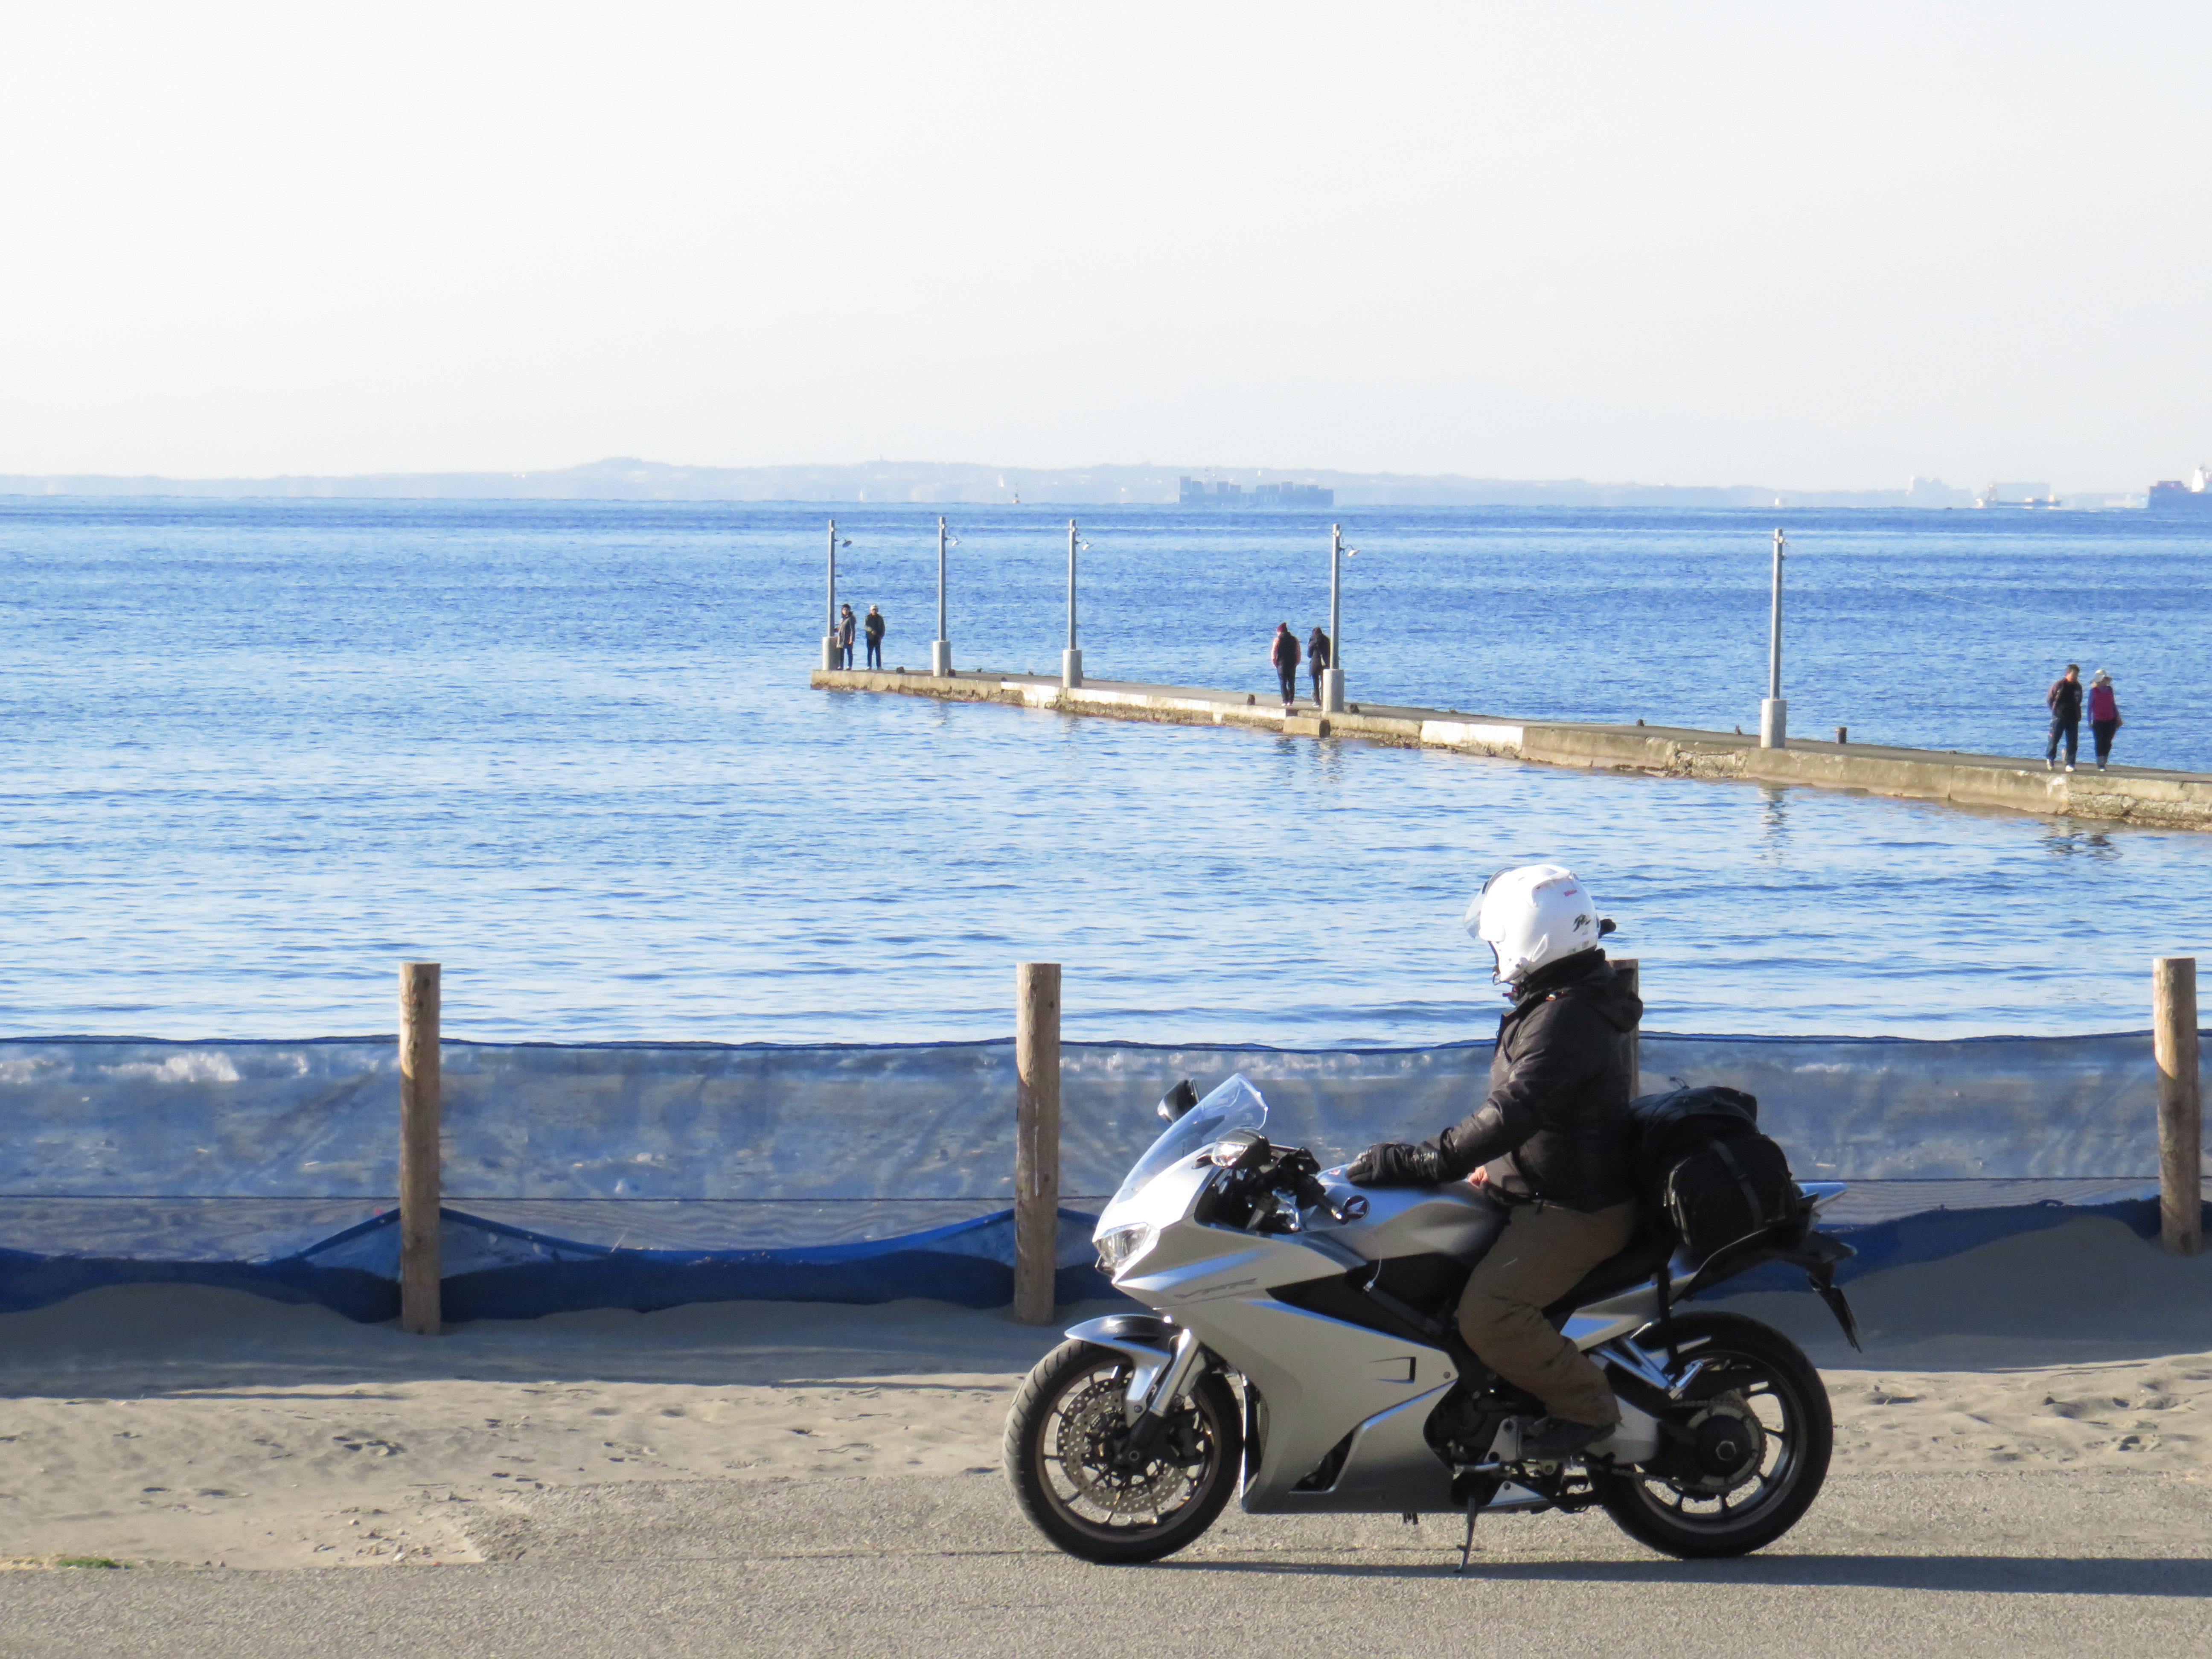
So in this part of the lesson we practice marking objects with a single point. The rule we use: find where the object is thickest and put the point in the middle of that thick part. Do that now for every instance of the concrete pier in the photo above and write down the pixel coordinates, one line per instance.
(2127, 794)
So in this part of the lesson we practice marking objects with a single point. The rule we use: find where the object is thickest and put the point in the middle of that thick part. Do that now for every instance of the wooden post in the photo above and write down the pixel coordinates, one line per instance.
(2181, 1105)
(1628, 969)
(1037, 1138)
(419, 1116)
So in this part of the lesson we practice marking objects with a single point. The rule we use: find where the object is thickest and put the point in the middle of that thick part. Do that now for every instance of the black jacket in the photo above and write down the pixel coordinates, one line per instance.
(1555, 1123)
(2064, 698)
(874, 625)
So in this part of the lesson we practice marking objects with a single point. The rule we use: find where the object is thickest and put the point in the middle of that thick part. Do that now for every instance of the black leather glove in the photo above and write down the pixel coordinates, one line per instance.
(1392, 1163)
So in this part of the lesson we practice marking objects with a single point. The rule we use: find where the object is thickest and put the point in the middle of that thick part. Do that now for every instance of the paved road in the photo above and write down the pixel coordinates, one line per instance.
(2017, 1565)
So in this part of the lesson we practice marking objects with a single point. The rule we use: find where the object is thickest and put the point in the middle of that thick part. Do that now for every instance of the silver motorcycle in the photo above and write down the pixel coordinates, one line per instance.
(1302, 1353)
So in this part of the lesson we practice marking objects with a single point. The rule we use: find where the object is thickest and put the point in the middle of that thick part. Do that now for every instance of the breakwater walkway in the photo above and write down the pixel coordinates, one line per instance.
(2130, 794)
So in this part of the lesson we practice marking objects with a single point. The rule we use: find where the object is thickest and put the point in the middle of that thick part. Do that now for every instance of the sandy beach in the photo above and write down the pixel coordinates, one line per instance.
(163, 1425)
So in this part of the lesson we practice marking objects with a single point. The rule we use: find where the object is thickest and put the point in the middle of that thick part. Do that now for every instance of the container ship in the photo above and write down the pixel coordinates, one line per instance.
(1211, 492)
(2192, 496)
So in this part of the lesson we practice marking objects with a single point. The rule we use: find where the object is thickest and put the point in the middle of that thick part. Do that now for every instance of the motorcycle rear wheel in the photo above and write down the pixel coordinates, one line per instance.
(1058, 1438)
(1778, 1389)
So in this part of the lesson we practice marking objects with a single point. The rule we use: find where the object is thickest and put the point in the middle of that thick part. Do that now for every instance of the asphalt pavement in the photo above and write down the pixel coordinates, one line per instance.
(2016, 1563)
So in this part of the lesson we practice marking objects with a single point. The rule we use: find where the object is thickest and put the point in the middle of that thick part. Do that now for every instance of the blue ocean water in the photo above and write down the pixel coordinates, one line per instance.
(258, 751)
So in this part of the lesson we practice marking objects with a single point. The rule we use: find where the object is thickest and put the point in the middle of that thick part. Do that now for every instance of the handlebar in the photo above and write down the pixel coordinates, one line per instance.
(1315, 1196)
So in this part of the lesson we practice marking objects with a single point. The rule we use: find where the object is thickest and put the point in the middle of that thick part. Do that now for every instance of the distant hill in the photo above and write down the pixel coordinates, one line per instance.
(937, 482)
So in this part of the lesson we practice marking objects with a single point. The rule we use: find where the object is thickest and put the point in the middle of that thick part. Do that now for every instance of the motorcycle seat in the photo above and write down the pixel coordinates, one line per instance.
(1636, 1264)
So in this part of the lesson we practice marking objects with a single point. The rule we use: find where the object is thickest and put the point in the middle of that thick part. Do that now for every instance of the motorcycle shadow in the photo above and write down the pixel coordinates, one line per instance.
(2022, 1575)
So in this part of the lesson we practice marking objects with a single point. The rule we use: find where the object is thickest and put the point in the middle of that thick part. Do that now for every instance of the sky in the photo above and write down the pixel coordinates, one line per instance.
(1807, 246)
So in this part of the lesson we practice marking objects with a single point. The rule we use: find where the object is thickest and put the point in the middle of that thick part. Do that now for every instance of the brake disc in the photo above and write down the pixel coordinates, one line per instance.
(1091, 1427)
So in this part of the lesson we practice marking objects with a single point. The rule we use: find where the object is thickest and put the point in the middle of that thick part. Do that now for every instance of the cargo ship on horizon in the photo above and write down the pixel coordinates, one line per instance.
(1220, 492)
(2192, 496)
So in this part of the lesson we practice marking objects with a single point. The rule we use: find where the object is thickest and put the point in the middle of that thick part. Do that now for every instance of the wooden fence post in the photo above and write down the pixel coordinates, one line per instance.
(2181, 1105)
(1630, 971)
(1036, 1138)
(419, 1170)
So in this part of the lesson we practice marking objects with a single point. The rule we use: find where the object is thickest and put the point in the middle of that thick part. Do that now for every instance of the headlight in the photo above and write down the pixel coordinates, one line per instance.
(1118, 1247)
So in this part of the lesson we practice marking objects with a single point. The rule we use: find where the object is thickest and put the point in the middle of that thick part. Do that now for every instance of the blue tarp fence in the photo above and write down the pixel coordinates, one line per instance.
(645, 1175)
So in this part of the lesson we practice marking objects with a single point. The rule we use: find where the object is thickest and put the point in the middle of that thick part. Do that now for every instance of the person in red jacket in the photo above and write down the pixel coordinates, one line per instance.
(2104, 715)
(1285, 655)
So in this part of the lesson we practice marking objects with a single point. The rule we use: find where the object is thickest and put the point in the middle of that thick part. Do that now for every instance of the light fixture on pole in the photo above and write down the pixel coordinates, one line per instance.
(1332, 678)
(833, 654)
(941, 649)
(1774, 712)
(1070, 660)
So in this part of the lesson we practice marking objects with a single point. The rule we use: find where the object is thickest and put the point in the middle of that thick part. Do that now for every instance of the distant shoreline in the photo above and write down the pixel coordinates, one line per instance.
(924, 483)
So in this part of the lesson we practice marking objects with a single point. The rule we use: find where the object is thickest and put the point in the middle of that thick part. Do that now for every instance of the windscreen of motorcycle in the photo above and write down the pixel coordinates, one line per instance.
(1235, 1105)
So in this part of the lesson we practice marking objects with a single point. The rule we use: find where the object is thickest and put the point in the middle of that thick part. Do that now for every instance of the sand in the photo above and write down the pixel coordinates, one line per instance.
(178, 1424)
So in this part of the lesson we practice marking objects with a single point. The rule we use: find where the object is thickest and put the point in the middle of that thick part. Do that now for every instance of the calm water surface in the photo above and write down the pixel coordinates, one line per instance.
(258, 751)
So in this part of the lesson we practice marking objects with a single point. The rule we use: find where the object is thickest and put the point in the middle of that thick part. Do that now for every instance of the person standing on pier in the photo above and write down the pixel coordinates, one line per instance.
(1285, 655)
(845, 635)
(874, 629)
(2104, 715)
(2065, 699)
(1317, 652)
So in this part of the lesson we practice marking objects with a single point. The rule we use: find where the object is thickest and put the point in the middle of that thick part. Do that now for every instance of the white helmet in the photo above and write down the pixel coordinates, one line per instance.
(1532, 916)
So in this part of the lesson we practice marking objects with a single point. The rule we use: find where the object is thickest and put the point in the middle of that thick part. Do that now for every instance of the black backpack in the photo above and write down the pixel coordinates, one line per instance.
(1707, 1170)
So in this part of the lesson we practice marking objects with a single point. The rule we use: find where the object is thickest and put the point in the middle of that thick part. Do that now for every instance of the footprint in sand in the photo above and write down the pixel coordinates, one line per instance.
(375, 1448)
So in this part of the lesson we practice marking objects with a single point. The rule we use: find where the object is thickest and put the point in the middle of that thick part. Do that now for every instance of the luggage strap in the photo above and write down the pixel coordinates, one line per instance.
(1743, 1182)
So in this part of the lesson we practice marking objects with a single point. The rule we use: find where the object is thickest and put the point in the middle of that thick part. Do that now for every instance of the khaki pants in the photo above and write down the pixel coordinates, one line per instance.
(1542, 1255)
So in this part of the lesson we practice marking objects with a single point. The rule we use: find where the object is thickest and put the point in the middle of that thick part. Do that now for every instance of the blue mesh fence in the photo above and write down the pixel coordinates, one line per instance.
(644, 1176)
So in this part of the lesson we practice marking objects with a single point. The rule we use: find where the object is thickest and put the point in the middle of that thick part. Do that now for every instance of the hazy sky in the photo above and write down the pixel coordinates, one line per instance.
(1804, 245)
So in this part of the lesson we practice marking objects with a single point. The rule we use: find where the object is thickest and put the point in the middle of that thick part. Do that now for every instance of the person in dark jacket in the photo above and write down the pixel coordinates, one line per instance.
(1552, 1140)
(1283, 653)
(2064, 698)
(873, 628)
(1317, 658)
(2104, 715)
(845, 626)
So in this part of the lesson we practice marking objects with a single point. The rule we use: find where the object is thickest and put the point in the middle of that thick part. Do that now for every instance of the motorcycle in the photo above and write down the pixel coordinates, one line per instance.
(1302, 1354)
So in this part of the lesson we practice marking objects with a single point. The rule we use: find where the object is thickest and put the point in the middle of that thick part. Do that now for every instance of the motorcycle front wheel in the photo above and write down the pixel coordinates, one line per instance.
(1065, 1426)
(1757, 1452)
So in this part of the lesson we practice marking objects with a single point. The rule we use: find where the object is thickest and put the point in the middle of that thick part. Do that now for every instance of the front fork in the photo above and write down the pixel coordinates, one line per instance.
(1148, 1407)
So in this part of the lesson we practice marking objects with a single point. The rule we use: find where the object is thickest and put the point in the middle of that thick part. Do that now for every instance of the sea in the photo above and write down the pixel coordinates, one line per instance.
(257, 752)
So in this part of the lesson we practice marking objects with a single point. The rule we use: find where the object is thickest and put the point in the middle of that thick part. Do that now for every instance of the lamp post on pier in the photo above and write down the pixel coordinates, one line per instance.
(941, 649)
(1332, 678)
(1070, 660)
(1774, 712)
(833, 654)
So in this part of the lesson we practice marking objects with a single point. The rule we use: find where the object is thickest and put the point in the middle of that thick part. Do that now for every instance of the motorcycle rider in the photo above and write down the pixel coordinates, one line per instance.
(1552, 1141)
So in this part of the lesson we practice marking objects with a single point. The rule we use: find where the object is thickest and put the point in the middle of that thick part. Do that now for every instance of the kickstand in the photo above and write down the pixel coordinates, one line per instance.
(1466, 1548)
